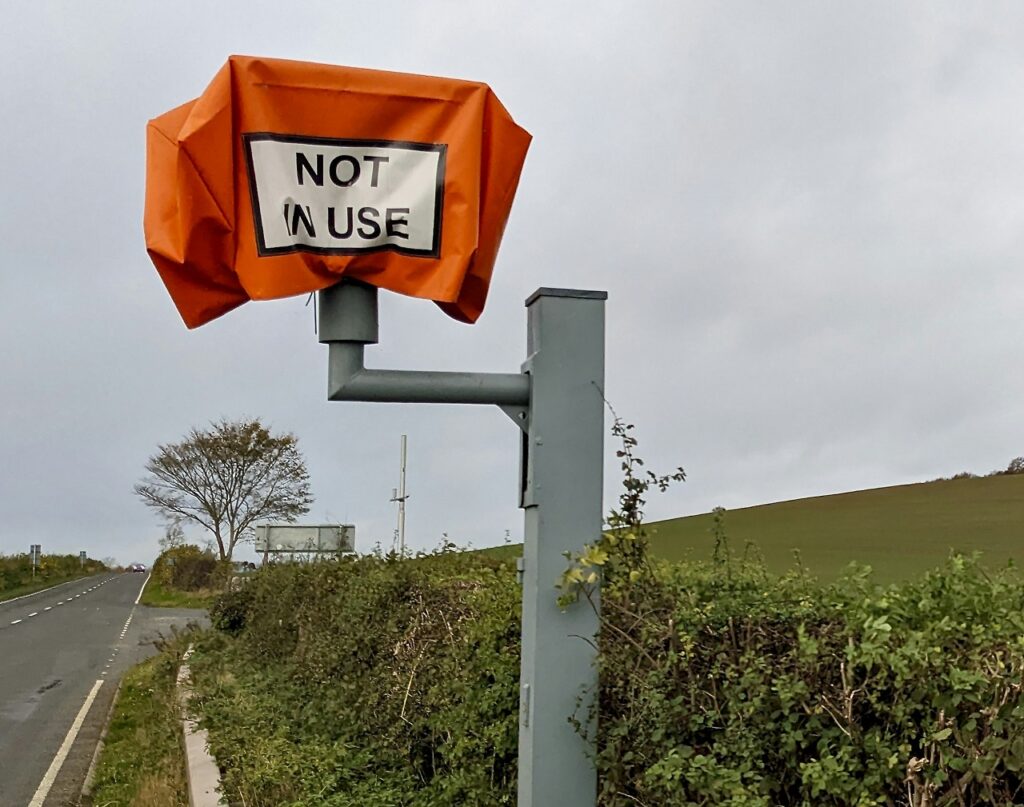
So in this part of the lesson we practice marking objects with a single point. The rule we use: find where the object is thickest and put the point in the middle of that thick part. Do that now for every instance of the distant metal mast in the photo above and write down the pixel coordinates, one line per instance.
(399, 495)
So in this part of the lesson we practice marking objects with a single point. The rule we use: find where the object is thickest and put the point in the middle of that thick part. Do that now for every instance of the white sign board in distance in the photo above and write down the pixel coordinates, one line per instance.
(328, 538)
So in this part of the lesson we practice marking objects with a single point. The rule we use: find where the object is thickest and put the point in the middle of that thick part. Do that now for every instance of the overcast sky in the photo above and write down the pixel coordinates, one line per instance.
(809, 218)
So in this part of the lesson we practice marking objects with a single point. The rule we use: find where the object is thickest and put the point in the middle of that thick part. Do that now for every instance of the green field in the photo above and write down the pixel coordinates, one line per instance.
(898, 531)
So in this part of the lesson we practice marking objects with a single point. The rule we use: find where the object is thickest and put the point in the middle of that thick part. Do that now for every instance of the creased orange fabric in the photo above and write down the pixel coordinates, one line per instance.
(224, 225)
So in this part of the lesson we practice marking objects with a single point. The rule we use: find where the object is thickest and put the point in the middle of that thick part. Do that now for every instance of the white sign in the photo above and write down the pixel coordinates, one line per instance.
(305, 538)
(345, 197)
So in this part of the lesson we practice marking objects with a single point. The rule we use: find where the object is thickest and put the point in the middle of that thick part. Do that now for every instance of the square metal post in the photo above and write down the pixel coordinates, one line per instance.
(562, 497)
(558, 402)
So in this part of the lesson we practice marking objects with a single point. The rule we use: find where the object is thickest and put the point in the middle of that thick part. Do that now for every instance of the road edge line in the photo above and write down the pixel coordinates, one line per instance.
(90, 775)
(65, 748)
(144, 584)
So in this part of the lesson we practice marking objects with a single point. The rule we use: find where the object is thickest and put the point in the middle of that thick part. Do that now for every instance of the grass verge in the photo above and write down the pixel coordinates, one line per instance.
(40, 585)
(158, 595)
(142, 763)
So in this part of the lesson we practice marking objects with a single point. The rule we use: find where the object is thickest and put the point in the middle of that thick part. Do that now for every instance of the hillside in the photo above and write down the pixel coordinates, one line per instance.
(898, 531)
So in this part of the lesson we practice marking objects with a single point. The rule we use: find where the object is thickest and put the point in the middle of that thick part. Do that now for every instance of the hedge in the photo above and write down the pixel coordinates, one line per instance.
(382, 682)
(16, 570)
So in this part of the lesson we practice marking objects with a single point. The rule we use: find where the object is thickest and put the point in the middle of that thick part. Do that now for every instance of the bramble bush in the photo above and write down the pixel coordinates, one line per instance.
(375, 681)
(721, 684)
(739, 688)
(382, 681)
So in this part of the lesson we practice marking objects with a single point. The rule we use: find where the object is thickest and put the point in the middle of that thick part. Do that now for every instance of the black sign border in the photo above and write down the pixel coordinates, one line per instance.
(261, 244)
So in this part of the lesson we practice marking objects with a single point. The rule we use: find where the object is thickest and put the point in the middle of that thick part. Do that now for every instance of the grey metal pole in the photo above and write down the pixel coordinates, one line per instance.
(557, 402)
(401, 503)
(562, 498)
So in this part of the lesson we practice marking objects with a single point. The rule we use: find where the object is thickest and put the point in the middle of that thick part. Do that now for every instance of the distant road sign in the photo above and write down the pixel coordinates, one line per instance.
(305, 538)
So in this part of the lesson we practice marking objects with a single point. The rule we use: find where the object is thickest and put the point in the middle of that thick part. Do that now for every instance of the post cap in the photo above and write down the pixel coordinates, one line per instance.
(579, 294)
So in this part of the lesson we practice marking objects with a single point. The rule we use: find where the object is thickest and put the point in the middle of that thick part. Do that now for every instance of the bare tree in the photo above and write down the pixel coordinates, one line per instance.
(174, 534)
(226, 478)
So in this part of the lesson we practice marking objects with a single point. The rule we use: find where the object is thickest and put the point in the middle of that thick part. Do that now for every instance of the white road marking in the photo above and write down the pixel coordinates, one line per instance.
(36, 593)
(142, 589)
(60, 602)
(51, 774)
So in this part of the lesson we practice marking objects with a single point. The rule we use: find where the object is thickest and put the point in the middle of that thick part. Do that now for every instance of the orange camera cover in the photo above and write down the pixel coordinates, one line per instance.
(284, 177)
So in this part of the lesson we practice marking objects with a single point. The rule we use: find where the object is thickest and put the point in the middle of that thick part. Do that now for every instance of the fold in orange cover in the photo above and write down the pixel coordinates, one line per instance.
(283, 177)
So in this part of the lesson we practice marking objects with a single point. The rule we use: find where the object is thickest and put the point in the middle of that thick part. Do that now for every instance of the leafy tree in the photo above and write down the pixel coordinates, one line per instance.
(226, 478)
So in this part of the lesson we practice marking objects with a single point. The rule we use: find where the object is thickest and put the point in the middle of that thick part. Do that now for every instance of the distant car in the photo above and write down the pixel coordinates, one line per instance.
(137, 567)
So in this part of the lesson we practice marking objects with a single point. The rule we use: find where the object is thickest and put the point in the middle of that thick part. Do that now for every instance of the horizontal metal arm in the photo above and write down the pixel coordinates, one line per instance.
(349, 380)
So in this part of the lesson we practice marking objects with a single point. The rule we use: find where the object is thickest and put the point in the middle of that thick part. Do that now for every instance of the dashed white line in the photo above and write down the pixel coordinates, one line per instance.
(37, 593)
(61, 602)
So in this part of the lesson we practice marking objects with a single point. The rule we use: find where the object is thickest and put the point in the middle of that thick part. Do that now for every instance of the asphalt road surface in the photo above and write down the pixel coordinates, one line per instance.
(62, 652)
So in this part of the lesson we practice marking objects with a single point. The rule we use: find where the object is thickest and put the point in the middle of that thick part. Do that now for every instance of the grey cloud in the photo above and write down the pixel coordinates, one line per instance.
(808, 217)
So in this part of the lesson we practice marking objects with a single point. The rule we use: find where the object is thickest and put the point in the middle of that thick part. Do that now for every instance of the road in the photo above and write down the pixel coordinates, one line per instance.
(62, 653)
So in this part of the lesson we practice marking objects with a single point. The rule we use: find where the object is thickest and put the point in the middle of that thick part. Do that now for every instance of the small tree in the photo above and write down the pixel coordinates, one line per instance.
(1016, 466)
(174, 535)
(226, 478)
